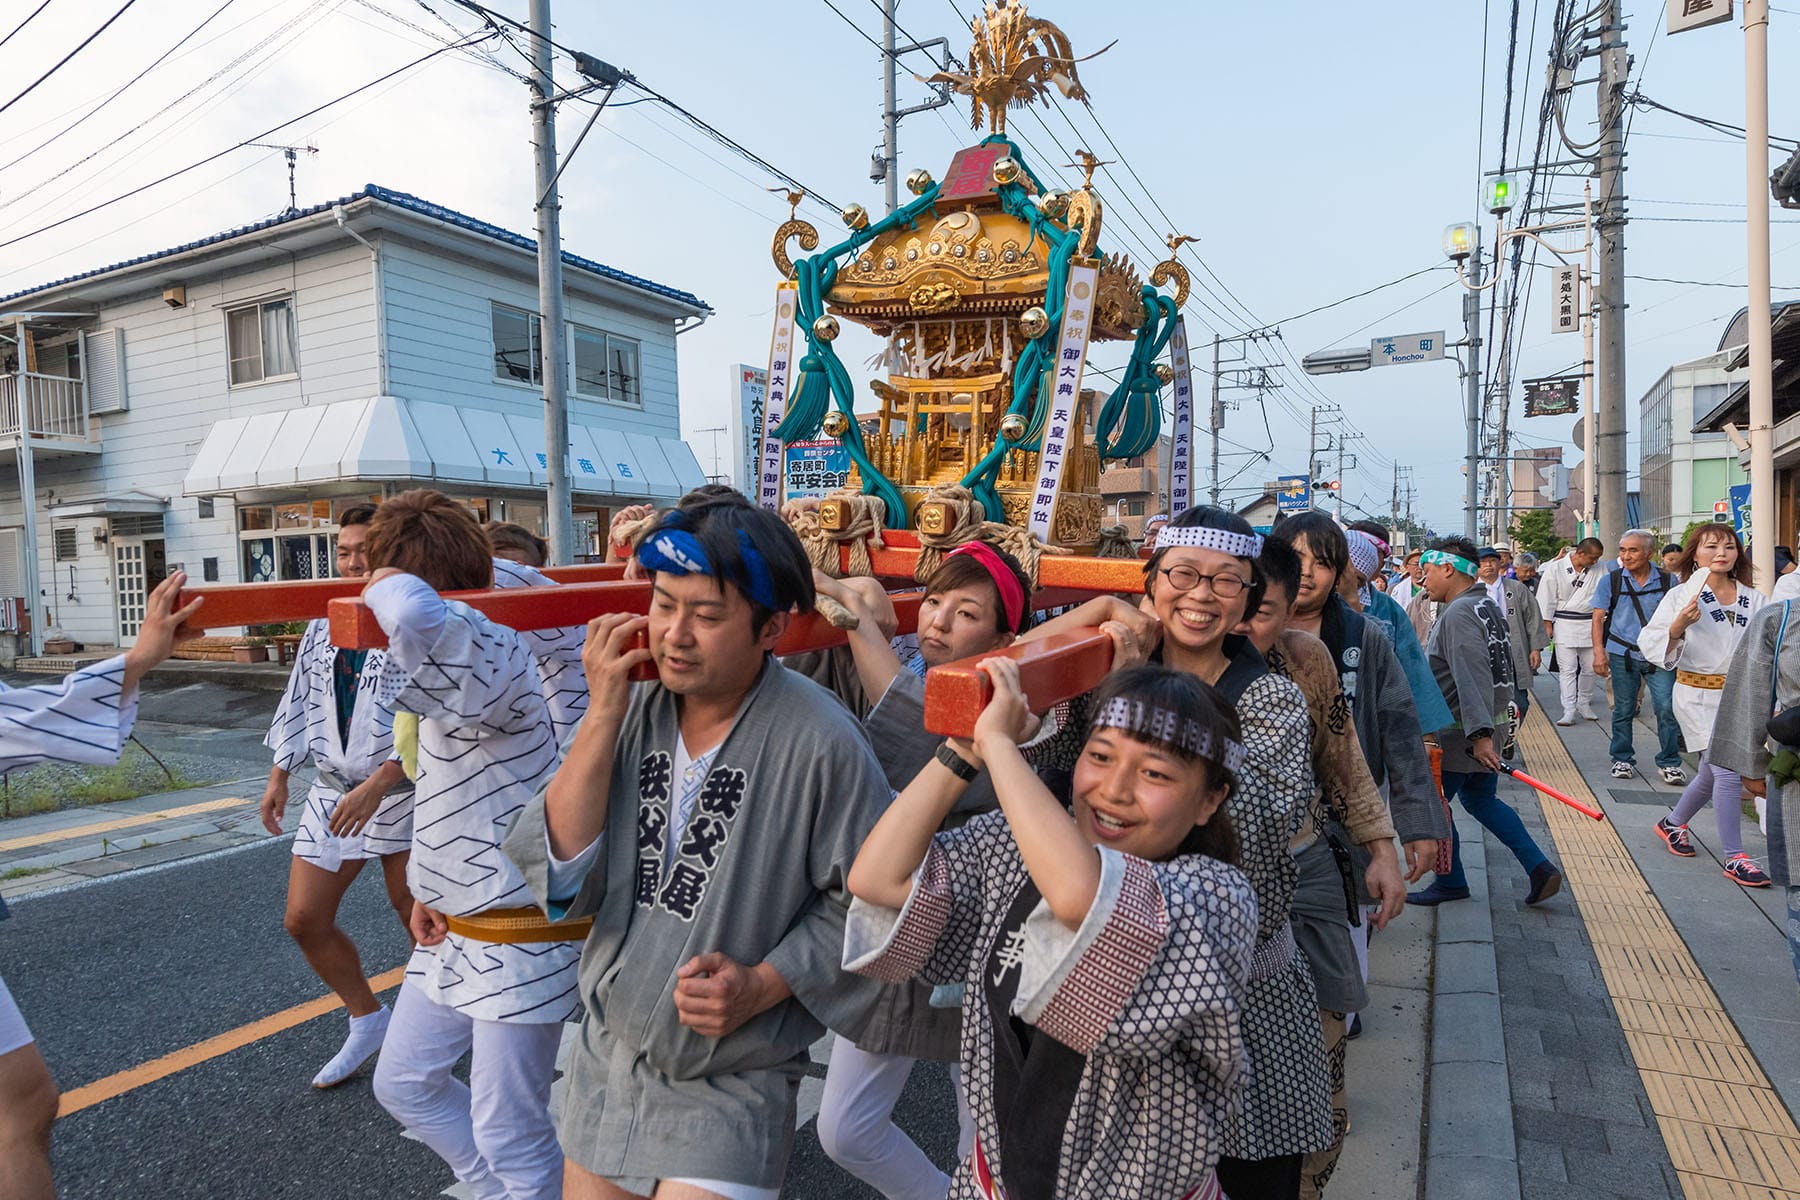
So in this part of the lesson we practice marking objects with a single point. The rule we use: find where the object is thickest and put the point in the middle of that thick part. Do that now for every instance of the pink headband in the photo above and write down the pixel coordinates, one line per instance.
(1012, 596)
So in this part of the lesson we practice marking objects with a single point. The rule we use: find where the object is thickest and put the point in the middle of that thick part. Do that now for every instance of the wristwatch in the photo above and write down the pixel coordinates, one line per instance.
(957, 764)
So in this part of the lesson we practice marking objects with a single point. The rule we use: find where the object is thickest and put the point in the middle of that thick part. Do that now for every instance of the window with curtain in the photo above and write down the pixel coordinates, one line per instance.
(259, 341)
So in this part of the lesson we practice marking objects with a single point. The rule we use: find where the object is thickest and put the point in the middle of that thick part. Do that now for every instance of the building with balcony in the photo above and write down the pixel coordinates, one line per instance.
(1733, 408)
(215, 406)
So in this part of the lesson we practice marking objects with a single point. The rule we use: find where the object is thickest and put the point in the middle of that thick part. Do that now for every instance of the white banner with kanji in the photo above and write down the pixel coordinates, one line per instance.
(782, 362)
(1181, 454)
(1065, 395)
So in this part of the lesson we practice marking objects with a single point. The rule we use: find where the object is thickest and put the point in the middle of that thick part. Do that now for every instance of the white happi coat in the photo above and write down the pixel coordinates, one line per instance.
(82, 719)
(1563, 589)
(557, 652)
(486, 744)
(306, 727)
(1705, 649)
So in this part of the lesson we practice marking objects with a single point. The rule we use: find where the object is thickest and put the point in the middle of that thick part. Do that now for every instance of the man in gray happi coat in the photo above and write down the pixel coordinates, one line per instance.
(706, 821)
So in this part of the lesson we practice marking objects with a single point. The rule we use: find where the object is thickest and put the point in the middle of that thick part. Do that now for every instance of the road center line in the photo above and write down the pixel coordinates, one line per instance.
(71, 832)
(112, 1086)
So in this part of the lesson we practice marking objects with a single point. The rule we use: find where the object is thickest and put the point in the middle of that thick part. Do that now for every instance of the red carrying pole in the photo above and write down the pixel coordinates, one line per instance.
(1545, 788)
(1051, 670)
(232, 604)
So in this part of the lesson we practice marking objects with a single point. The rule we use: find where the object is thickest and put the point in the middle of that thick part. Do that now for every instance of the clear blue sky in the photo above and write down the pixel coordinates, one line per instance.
(1317, 149)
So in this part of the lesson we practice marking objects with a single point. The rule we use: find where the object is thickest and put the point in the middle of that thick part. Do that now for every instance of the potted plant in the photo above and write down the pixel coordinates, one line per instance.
(250, 650)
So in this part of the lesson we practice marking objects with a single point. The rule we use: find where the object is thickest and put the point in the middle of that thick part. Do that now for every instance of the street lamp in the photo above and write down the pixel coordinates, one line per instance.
(1459, 240)
(1497, 194)
(1463, 240)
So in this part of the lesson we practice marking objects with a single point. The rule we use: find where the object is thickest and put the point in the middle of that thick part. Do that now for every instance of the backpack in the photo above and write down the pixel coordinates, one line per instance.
(1615, 581)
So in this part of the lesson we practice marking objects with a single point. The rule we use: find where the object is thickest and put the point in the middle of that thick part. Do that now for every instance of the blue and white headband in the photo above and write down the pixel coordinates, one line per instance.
(678, 552)
(1170, 728)
(1238, 545)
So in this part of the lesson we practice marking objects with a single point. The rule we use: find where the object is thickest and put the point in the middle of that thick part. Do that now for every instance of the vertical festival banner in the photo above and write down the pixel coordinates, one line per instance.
(1065, 394)
(781, 369)
(1181, 454)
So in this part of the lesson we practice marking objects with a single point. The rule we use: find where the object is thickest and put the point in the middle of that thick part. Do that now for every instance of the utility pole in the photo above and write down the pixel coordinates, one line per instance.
(1394, 507)
(559, 501)
(1218, 422)
(1341, 440)
(887, 168)
(1472, 347)
(890, 120)
(1610, 440)
(1763, 531)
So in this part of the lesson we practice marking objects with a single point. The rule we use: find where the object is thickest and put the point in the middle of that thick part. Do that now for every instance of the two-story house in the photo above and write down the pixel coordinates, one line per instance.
(214, 406)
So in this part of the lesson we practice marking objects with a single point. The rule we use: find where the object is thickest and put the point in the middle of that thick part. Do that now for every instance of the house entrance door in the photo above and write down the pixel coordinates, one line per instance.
(139, 564)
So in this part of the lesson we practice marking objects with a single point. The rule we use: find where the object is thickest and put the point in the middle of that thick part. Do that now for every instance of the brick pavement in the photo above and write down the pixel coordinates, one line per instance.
(1580, 1114)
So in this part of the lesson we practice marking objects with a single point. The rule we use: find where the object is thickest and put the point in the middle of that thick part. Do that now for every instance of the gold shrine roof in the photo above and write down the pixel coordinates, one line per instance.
(975, 260)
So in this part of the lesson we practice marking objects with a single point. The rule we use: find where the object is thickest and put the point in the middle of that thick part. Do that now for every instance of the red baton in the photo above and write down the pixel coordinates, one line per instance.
(1545, 788)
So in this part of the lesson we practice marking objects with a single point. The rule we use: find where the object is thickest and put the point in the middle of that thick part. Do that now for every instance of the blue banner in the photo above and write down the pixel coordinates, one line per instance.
(1294, 493)
(816, 468)
(1740, 509)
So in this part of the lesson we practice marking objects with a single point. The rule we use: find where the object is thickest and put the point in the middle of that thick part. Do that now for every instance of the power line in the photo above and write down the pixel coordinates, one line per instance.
(256, 137)
(22, 24)
(1366, 292)
(160, 59)
(1707, 283)
(725, 140)
(61, 62)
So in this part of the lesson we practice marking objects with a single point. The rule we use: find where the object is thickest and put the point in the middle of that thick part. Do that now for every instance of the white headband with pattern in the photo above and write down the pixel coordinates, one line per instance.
(1238, 545)
(1169, 728)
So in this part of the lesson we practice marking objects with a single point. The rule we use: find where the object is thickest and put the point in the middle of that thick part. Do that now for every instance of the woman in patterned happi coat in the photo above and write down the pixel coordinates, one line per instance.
(1200, 583)
(1105, 951)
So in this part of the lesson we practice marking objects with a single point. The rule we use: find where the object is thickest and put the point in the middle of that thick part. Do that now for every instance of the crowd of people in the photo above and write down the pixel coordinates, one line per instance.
(1136, 924)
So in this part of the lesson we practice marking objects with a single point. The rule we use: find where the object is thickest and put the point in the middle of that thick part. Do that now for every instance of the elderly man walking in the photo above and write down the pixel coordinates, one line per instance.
(1624, 599)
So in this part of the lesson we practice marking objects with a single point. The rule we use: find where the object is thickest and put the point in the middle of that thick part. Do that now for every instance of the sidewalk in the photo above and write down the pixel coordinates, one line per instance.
(72, 845)
(1651, 1026)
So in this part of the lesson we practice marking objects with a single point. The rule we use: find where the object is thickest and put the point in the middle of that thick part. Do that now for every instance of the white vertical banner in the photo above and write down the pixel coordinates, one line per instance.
(781, 369)
(1565, 299)
(1181, 456)
(1065, 394)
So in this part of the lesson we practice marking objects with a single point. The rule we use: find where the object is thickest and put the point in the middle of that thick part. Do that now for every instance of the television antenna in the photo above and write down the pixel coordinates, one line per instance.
(292, 154)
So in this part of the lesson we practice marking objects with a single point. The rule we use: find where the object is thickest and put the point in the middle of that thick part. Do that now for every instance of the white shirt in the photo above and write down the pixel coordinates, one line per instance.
(1497, 593)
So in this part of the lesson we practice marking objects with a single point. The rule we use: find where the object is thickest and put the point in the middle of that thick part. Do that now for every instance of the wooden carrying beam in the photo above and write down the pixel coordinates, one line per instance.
(1051, 670)
(900, 554)
(232, 604)
(354, 627)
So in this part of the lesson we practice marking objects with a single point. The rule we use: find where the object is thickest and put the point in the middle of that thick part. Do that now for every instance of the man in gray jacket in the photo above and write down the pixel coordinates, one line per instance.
(1472, 659)
(706, 821)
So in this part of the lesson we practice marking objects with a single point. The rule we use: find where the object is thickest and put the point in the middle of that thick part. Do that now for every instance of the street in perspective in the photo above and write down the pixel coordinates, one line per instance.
(843, 598)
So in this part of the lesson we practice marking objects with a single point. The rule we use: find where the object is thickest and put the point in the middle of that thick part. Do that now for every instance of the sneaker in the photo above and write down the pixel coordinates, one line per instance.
(1742, 869)
(1436, 894)
(1588, 715)
(366, 1036)
(1675, 837)
(1354, 1029)
(1674, 776)
(1623, 770)
(1565, 719)
(1546, 881)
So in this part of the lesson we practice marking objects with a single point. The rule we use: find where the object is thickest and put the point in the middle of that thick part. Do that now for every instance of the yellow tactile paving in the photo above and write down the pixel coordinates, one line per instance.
(1728, 1133)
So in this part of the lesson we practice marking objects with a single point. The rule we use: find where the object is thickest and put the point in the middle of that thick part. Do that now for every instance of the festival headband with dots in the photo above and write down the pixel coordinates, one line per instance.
(1170, 728)
(1202, 537)
(1455, 562)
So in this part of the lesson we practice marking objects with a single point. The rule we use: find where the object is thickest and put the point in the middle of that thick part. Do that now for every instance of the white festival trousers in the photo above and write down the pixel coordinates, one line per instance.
(857, 1130)
(496, 1132)
(1575, 674)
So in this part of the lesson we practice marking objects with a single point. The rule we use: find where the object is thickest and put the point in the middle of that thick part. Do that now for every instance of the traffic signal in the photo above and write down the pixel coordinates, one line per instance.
(1497, 194)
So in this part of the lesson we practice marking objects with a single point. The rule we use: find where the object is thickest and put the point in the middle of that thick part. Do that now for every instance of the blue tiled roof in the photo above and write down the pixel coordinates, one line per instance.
(398, 200)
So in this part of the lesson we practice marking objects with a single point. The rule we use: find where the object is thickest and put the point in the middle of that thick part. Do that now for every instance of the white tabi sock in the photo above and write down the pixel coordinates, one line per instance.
(366, 1034)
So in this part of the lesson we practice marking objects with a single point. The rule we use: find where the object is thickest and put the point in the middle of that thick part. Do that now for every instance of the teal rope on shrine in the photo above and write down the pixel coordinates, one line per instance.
(1138, 398)
(823, 378)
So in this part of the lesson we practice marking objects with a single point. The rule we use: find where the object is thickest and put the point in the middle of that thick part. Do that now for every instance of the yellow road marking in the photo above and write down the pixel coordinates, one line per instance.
(88, 1095)
(77, 831)
(1728, 1132)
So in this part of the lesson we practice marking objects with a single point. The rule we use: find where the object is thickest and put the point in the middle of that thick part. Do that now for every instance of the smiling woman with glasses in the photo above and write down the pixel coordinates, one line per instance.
(1226, 585)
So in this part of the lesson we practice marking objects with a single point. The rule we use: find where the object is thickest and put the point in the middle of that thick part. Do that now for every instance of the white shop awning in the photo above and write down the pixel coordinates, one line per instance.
(393, 440)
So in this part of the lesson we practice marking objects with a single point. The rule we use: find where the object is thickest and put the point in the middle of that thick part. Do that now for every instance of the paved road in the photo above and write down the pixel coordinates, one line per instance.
(118, 973)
